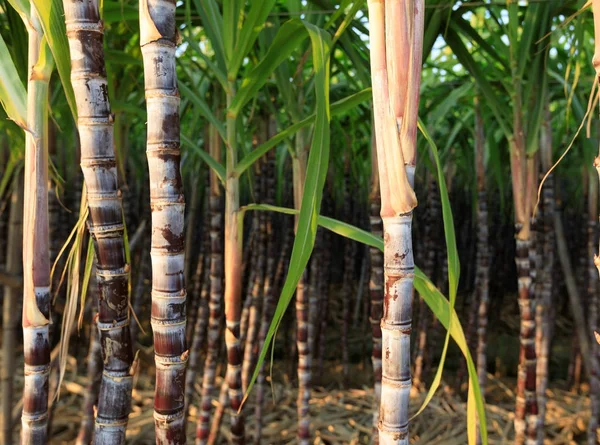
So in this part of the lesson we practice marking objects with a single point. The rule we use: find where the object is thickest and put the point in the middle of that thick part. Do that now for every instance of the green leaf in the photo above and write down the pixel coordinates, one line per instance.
(12, 92)
(231, 14)
(212, 22)
(446, 314)
(253, 24)
(453, 278)
(316, 174)
(214, 69)
(203, 108)
(338, 227)
(288, 38)
(22, 8)
(500, 110)
(339, 107)
(217, 167)
(51, 15)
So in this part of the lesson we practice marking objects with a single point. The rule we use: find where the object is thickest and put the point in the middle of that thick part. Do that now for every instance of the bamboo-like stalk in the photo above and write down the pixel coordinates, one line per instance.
(482, 259)
(524, 178)
(233, 279)
(216, 295)
(14, 265)
(396, 154)
(158, 40)
(36, 244)
(94, 375)
(255, 284)
(483, 254)
(269, 184)
(95, 123)
(545, 297)
(215, 427)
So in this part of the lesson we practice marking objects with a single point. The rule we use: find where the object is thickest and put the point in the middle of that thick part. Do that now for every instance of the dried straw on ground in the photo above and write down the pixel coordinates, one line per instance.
(339, 416)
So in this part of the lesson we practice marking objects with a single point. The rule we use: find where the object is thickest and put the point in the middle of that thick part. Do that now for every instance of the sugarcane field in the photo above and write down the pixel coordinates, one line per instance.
(300, 222)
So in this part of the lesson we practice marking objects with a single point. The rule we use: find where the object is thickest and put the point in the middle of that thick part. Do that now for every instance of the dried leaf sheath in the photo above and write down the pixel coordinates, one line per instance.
(158, 42)
(95, 123)
(36, 245)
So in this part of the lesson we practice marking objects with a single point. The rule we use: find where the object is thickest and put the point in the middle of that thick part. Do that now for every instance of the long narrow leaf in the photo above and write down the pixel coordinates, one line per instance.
(12, 92)
(338, 107)
(203, 108)
(217, 167)
(52, 15)
(316, 173)
(289, 37)
(256, 19)
(453, 278)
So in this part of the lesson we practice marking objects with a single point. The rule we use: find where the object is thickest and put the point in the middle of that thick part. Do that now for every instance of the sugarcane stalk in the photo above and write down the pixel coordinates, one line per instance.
(269, 183)
(36, 244)
(396, 154)
(158, 41)
(544, 302)
(233, 279)
(255, 284)
(95, 124)
(14, 265)
(219, 411)
(215, 297)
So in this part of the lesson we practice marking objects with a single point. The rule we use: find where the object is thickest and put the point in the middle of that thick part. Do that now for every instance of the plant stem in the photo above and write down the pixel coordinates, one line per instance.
(36, 246)
(215, 310)
(85, 31)
(158, 39)
(233, 279)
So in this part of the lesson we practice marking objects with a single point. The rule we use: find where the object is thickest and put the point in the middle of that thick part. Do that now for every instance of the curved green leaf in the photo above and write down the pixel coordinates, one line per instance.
(288, 38)
(51, 16)
(453, 278)
(254, 22)
(12, 92)
(316, 173)
(338, 107)
(217, 167)
(203, 108)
